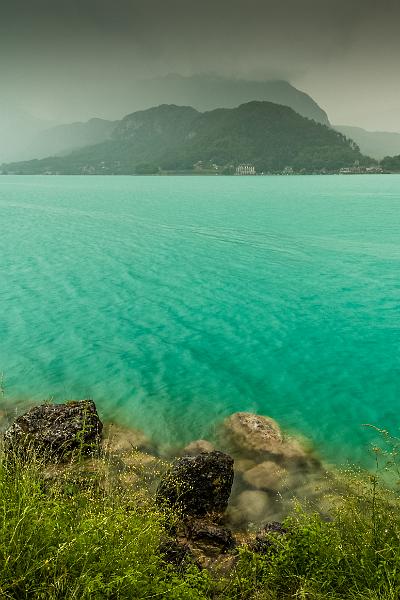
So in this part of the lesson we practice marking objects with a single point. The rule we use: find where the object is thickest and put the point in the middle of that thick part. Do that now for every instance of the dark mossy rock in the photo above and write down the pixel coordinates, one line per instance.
(198, 485)
(267, 537)
(177, 554)
(206, 532)
(55, 432)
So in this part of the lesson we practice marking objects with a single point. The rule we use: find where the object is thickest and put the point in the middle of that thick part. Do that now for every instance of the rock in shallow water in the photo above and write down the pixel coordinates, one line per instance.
(198, 485)
(254, 433)
(259, 436)
(253, 505)
(54, 432)
(197, 447)
(119, 440)
(265, 476)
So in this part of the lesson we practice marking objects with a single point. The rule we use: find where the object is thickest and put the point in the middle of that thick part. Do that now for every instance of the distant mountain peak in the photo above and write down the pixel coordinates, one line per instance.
(208, 91)
(24, 137)
(377, 144)
(170, 138)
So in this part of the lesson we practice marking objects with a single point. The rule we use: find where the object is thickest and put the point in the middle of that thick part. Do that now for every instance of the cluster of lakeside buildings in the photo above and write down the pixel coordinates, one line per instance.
(356, 169)
(245, 170)
(242, 169)
(208, 168)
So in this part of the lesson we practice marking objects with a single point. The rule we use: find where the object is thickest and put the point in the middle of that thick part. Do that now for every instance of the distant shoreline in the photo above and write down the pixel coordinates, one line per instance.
(193, 174)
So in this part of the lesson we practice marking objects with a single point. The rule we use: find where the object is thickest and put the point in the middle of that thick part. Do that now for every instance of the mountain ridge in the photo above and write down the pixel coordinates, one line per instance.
(207, 92)
(68, 137)
(177, 138)
(39, 139)
(377, 144)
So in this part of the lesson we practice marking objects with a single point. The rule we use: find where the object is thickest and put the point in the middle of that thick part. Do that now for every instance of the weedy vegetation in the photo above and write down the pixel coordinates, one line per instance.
(74, 537)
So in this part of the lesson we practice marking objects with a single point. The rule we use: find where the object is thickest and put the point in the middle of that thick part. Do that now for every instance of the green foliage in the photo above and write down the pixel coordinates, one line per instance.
(175, 138)
(391, 163)
(89, 538)
(146, 169)
(356, 555)
(74, 541)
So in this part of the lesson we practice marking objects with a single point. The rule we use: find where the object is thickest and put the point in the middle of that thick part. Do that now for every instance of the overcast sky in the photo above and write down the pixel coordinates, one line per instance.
(73, 59)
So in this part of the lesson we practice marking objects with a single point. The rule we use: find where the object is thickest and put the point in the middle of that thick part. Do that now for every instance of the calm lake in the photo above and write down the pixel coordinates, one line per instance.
(175, 301)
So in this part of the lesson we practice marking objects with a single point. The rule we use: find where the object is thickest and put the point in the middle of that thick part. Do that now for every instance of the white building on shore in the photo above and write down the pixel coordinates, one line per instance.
(245, 169)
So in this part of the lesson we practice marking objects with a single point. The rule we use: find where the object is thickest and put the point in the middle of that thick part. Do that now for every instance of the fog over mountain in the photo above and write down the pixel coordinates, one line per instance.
(200, 92)
(71, 61)
(377, 144)
(17, 128)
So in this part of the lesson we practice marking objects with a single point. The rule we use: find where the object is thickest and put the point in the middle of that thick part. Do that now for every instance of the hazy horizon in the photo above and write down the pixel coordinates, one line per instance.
(64, 62)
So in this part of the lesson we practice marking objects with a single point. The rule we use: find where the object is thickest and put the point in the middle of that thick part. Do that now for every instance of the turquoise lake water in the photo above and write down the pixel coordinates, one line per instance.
(174, 301)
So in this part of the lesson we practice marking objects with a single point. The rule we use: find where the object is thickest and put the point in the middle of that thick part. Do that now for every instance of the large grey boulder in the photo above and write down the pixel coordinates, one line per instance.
(261, 437)
(198, 485)
(254, 433)
(55, 432)
(197, 447)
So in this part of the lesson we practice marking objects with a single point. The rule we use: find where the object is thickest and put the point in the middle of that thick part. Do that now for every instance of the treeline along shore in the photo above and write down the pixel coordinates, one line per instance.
(93, 510)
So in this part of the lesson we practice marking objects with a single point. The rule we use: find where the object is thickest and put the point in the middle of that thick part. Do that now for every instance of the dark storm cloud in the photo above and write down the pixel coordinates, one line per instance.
(66, 59)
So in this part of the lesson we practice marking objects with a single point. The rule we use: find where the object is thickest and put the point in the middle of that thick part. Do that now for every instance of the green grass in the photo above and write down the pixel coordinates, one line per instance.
(75, 540)
(87, 537)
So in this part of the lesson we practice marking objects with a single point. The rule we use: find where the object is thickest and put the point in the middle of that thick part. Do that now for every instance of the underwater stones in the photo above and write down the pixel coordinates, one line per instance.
(259, 436)
(254, 433)
(55, 432)
(118, 440)
(253, 505)
(266, 475)
(198, 485)
(244, 464)
(197, 447)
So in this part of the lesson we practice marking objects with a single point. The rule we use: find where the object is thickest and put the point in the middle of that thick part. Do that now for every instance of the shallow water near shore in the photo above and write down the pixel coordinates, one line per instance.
(174, 302)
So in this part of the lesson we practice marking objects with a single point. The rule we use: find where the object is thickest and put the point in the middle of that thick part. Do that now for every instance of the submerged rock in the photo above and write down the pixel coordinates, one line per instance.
(244, 464)
(253, 505)
(254, 433)
(260, 436)
(265, 476)
(197, 447)
(54, 432)
(119, 440)
(198, 485)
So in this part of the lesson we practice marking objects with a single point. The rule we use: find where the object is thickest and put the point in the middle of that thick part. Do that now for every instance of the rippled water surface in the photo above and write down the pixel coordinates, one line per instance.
(176, 301)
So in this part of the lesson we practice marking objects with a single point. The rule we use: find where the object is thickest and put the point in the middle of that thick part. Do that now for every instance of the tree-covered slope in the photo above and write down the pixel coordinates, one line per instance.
(268, 135)
(391, 163)
(175, 138)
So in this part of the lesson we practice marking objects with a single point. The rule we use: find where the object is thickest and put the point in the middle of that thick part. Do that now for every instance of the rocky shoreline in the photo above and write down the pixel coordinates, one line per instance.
(236, 489)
